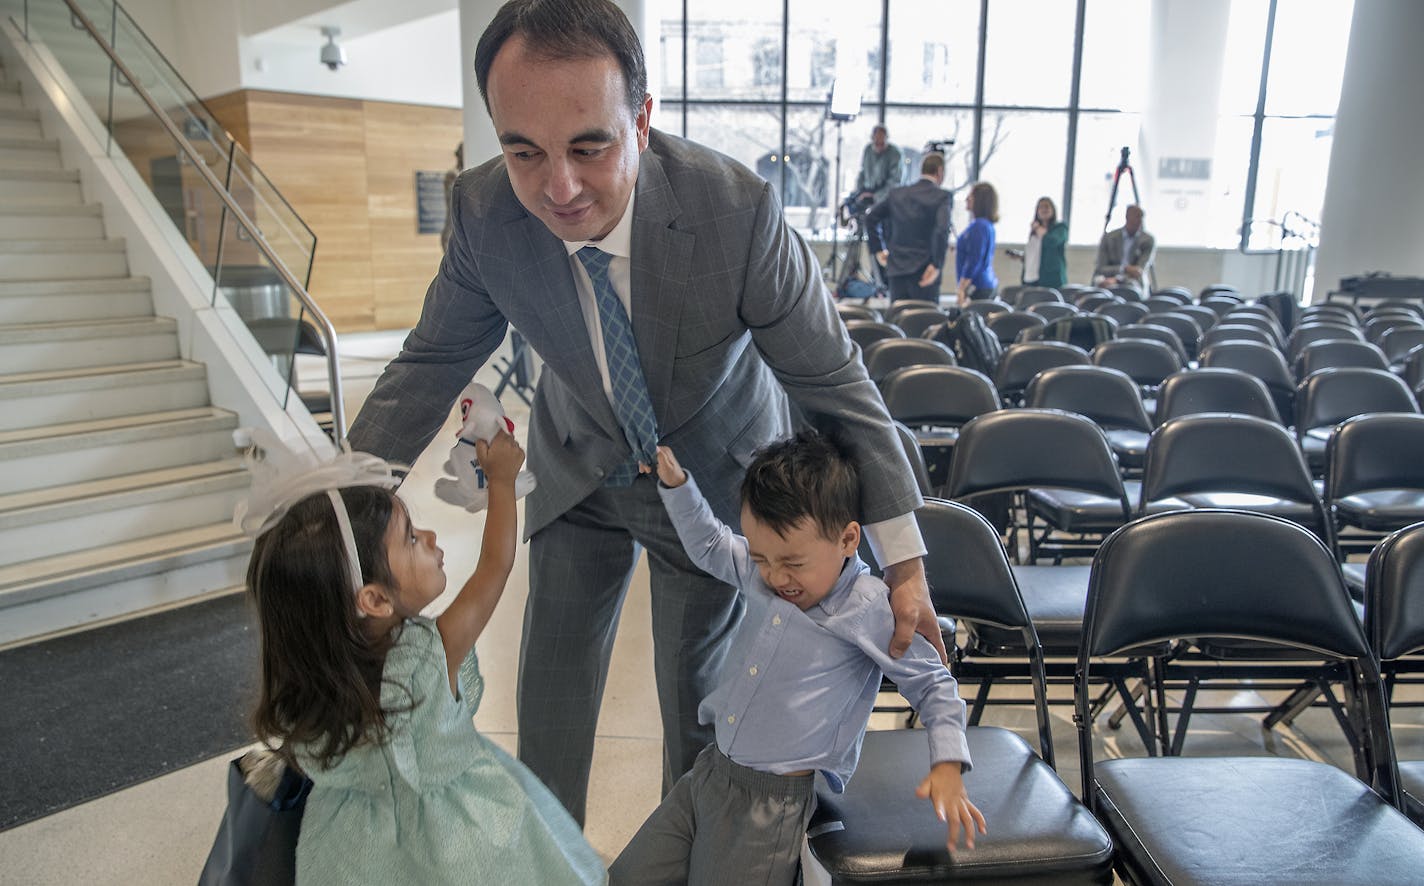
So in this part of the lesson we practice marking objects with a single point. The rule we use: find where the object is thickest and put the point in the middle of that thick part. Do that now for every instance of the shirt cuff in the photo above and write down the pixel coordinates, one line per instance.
(895, 540)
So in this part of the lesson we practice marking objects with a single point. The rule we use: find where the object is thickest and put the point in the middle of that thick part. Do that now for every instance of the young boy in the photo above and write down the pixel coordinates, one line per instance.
(799, 683)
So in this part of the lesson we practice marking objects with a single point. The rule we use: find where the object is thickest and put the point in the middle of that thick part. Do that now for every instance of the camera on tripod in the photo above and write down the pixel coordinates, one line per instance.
(939, 147)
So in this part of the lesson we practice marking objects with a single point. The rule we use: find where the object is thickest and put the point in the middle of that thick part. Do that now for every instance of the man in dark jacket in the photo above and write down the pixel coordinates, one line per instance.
(918, 216)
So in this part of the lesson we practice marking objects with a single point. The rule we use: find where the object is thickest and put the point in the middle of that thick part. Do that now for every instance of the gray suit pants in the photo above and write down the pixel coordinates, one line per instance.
(580, 566)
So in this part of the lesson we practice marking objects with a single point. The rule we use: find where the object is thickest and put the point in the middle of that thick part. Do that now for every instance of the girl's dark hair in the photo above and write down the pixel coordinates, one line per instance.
(566, 29)
(1051, 205)
(808, 475)
(986, 201)
(320, 685)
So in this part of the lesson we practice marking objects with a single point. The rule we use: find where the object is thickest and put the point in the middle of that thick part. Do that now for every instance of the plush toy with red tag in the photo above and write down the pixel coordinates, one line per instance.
(482, 417)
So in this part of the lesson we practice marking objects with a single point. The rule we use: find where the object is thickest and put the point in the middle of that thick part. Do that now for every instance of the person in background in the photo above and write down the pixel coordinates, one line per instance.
(880, 168)
(1044, 263)
(918, 215)
(974, 250)
(1125, 254)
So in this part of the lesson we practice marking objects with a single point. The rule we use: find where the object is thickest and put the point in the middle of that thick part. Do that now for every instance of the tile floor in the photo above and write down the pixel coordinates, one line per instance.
(158, 833)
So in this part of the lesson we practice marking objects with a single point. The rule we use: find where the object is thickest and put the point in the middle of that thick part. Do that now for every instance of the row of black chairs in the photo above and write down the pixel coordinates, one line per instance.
(1161, 580)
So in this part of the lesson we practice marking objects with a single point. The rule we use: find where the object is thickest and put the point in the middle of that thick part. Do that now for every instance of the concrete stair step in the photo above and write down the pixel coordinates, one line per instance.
(64, 519)
(39, 187)
(36, 399)
(10, 100)
(51, 301)
(29, 153)
(72, 345)
(83, 451)
(43, 596)
(56, 222)
(19, 127)
(62, 259)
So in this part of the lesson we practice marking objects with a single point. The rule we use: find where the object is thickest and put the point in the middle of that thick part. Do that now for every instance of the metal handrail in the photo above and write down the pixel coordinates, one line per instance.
(319, 318)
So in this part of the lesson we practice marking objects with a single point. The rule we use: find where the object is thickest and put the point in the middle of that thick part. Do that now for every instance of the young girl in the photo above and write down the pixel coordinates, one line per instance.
(375, 702)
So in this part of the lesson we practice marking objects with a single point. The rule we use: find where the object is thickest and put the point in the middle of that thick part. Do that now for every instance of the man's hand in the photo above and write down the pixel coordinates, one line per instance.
(910, 603)
(1133, 271)
(944, 788)
(930, 275)
(882, 256)
(669, 471)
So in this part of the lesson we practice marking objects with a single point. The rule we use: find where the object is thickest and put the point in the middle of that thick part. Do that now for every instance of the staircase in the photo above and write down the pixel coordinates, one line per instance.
(117, 478)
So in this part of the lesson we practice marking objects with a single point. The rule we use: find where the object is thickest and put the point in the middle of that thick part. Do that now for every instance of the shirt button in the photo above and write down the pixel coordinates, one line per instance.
(754, 670)
(776, 619)
(598, 472)
(731, 718)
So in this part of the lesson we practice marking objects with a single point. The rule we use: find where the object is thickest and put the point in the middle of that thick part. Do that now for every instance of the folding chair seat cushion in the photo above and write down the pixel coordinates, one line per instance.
(1295, 511)
(1054, 597)
(1382, 510)
(1072, 510)
(877, 832)
(1168, 802)
(1129, 446)
(1354, 579)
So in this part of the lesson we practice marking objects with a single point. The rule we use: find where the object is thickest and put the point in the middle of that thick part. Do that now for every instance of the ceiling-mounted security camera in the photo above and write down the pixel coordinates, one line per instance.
(332, 55)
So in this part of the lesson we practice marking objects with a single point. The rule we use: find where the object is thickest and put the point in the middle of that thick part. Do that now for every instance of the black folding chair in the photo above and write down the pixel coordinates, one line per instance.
(1187, 328)
(1122, 312)
(934, 401)
(1374, 478)
(1146, 362)
(1007, 326)
(876, 832)
(1214, 389)
(1032, 295)
(1261, 362)
(850, 312)
(1106, 396)
(863, 332)
(1155, 333)
(1202, 820)
(885, 356)
(904, 305)
(1394, 622)
(915, 322)
(1332, 354)
(1023, 360)
(1328, 397)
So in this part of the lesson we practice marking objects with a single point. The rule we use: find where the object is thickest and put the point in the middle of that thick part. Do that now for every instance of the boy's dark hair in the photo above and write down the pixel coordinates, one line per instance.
(320, 684)
(566, 29)
(808, 475)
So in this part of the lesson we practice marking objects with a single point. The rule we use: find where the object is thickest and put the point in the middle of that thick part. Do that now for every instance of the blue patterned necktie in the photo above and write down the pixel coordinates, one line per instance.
(631, 402)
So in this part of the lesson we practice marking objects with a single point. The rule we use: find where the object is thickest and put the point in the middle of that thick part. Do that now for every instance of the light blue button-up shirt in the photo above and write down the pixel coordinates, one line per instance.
(798, 686)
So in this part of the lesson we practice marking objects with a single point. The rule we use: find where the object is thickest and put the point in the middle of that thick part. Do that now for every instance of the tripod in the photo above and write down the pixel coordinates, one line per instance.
(1122, 166)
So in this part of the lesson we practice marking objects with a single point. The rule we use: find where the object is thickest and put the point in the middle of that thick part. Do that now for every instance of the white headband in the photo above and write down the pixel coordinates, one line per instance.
(281, 477)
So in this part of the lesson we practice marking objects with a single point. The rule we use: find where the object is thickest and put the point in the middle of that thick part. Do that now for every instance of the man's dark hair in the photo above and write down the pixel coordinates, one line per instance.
(808, 475)
(932, 164)
(560, 30)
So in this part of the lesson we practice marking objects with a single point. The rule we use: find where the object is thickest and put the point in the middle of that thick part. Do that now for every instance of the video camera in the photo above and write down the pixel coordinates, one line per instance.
(941, 146)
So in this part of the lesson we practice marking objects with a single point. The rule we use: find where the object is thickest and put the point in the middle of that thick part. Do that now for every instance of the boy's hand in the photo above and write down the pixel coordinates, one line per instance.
(944, 788)
(669, 471)
(500, 458)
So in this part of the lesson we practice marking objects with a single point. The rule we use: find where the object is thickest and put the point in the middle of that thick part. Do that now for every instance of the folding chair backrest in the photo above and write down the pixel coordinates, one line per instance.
(1194, 391)
(1341, 314)
(988, 307)
(1024, 448)
(1084, 330)
(1180, 294)
(1160, 305)
(1266, 324)
(1229, 330)
(938, 395)
(858, 312)
(1154, 333)
(1032, 295)
(1206, 318)
(892, 313)
(1122, 311)
(1218, 289)
(1186, 327)
(1052, 310)
(1022, 361)
(1107, 396)
(915, 322)
(1219, 452)
(1394, 594)
(1309, 333)
(863, 332)
(1398, 342)
(966, 568)
(1145, 362)
(1381, 450)
(1376, 327)
(1007, 327)
(1330, 396)
(1327, 354)
(885, 356)
(1218, 573)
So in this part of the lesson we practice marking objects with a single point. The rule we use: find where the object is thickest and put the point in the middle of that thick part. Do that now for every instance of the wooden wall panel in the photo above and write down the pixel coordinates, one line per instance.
(348, 169)
(401, 139)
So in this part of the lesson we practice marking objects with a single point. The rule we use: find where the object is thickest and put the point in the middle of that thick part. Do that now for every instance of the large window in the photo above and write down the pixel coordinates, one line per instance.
(1226, 109)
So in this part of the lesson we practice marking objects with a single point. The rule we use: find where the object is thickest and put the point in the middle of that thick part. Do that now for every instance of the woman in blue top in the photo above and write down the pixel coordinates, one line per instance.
(974, 251)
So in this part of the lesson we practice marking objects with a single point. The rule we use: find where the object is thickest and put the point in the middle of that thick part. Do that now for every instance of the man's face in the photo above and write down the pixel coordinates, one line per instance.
(878, 140)
(803, 565)
(570, 140)
(1134, 221)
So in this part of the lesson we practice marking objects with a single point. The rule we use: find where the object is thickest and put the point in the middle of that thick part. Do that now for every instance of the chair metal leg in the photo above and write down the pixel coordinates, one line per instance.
(981, 700)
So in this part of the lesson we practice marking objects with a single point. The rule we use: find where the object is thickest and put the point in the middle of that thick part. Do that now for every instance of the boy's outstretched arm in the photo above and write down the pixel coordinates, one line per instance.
(461, 624)
(944, 788)
(711, 544)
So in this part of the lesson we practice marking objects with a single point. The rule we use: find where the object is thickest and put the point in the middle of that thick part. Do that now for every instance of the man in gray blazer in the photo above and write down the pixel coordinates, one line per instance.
(728, 313)
(1125, 254)
(918, 215)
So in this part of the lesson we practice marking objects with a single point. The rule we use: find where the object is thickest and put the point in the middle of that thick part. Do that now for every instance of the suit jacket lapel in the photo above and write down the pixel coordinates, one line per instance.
(661, 267)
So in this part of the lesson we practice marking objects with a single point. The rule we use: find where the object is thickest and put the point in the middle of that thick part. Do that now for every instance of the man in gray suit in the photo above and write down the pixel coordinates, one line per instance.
(1125, 254)
(587, 220)
(918, 217)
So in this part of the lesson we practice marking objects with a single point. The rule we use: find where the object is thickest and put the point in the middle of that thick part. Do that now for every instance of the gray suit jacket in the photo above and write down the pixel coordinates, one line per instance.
(919, 227)
(1110, 257)
(728, 310)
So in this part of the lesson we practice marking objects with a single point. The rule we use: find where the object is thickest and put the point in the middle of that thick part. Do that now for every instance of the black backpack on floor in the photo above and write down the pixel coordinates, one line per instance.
(974, 346)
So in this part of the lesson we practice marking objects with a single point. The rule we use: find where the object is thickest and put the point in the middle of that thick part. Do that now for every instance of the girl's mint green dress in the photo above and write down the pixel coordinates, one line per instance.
(438, 802)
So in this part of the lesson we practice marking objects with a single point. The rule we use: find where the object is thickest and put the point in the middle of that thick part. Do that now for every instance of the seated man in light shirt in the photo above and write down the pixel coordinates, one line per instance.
(798, 686)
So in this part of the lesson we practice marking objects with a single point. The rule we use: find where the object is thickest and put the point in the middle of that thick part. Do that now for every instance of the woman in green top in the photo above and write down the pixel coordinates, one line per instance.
(1044, 264)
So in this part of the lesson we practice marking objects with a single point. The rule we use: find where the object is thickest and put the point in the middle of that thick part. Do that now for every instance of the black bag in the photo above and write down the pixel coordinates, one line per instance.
(256, 844)
(974, 346)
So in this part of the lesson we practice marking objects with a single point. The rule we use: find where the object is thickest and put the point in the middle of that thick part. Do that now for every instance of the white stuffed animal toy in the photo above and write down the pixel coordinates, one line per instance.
(483, 417)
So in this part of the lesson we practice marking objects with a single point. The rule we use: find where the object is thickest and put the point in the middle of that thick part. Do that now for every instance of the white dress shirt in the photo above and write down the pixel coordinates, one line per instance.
(891, 541)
